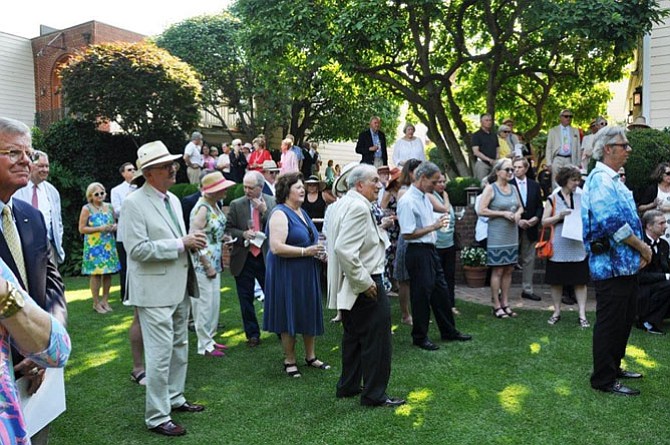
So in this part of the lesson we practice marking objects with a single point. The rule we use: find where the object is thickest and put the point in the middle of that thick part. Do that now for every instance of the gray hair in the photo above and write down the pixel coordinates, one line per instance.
(40, 154)
(650, 215)
(257, 176)
(606, 136)
(196, 135)
(14, 127)
(360, 173)
(491, 178)
(426, 169)
(502, 128)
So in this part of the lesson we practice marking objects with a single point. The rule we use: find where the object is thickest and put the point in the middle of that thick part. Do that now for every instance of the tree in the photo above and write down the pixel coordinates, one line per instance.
(448, 59)
(149, 93)
(288, 43)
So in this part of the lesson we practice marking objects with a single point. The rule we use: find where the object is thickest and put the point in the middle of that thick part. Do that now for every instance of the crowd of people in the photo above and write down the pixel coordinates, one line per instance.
(370, 230)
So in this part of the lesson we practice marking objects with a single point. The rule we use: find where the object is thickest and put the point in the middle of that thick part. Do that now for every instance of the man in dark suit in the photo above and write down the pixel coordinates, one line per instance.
(371, 144)
(187, 204)
(529, 191)
(248, 215)
(270, 172)
(654, 297)
(33, 269)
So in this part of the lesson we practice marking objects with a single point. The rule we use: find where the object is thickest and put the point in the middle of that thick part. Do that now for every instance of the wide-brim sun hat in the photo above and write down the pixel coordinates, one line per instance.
(639, 122)
(394, 175)
(315, 180)
(340, 184)
(153, 153)
(215, 182)
(270, 166)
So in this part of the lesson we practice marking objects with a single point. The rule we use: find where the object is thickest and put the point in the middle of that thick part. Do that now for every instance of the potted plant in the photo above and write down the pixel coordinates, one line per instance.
(473, 260)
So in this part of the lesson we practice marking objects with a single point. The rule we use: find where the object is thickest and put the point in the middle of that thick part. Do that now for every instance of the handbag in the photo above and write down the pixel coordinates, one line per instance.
(545, 247)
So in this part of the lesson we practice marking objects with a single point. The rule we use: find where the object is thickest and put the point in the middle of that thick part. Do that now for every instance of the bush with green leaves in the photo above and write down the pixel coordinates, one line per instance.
(650, 147)
(456, 189)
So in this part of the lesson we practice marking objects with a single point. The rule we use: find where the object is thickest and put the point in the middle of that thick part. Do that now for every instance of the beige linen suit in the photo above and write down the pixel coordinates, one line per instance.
(159, 279)
(554, 143)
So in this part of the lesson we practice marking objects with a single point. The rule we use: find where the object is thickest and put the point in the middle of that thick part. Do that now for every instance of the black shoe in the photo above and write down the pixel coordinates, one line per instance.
(651, 329)
(569, 300)
(628, 374)
(458, 337)
(343, 395)
(530, 296)
(618, 388)
(390, 402)
(427, 345)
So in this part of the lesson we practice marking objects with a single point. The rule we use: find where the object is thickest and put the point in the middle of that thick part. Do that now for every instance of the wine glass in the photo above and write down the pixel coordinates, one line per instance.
(460, 214)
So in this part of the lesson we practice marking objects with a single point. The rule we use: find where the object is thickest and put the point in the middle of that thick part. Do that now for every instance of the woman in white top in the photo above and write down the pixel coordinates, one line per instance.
(408, 147)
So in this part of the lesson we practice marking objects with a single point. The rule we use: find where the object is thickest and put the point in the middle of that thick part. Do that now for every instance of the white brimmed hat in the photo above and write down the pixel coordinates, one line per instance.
(270, 166)
(639, 122)
(153, 153)
(340, 184)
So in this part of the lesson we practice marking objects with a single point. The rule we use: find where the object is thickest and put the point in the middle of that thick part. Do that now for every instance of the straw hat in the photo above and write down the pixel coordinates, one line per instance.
(394, 175)
(152, 153)
(215, 182)
(315, 180)
(340, 184)
(639, 122)
(270, 166)
(381, 168)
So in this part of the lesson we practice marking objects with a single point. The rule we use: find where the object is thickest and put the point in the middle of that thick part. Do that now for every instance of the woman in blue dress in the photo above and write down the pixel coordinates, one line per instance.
(292, 287)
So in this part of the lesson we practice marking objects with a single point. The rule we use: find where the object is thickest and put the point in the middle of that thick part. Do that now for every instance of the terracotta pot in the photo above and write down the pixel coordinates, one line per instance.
(475, 276)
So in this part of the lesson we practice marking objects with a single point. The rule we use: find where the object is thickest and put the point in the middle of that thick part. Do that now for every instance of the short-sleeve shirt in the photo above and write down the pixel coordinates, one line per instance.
(415, 212)
(194, 153)
(487, 142)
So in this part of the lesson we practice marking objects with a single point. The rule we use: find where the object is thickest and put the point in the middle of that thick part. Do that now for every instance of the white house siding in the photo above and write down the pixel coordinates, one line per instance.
(17, 79)
(658, 89)
(342, 153)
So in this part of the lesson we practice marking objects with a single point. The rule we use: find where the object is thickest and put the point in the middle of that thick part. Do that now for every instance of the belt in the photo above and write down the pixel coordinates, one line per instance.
(424, 245)
(564, 156)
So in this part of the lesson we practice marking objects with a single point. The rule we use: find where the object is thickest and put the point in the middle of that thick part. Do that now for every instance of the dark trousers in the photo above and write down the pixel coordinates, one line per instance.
(448, 262)
(366, 347)
(428, 290)
(254, 269)
(654, 302)
(122, 272)
(616, 300)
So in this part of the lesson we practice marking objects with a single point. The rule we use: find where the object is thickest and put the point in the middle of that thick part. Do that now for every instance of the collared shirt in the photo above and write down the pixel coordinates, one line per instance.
(119, 194)
(43, 204)
(375, 141)
(523, 189)
(416, 212)
(194, 153)
(613, 215)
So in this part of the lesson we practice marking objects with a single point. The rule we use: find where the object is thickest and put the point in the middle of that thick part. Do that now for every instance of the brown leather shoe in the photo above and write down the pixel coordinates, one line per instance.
(169, 428)
(189, 407)
(253, 342)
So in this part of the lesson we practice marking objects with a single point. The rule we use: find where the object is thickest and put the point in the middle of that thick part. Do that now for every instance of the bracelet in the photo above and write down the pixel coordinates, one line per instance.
(302, 251)
(11, 303)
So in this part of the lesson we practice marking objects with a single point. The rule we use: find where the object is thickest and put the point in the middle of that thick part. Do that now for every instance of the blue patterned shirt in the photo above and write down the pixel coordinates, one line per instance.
(613, 216)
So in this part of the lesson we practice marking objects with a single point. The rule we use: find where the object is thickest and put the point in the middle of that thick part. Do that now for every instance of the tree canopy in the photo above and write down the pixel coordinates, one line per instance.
(148, 92)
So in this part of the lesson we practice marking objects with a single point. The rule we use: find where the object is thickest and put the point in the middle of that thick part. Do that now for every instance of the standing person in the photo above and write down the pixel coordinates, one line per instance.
(568, 266)
(657, 195)
(330, 172)
(563, 146)
(484, 147)
(408, 147)
(100, 259)
(44, 197)
(613, 241)
(654, 300)
(444, 243)
(238, 162)
(428, 288)
(270, 172)
(24, 247)
(248, 215)
(207, 217)
(355, 268)
(500, 203)
(292, 278)
(208, 160)
(531, 200)
(587, 141)
(289, 161)
(371, 144)
(160, 280)
(223, 161)
(259, 155)
(193, 158)
(314, 203)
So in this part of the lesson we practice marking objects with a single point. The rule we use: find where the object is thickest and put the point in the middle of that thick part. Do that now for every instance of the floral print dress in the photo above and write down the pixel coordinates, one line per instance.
(100, 256)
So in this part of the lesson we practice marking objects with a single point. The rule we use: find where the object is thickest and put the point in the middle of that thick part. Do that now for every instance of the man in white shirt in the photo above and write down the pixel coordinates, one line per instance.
(43, 196)
(193, 158)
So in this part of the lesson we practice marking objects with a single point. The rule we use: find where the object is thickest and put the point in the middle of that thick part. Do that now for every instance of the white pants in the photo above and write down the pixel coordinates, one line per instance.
(206, 311)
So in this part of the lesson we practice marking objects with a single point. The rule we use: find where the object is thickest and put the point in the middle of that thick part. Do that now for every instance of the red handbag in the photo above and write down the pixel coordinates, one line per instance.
(545, 247)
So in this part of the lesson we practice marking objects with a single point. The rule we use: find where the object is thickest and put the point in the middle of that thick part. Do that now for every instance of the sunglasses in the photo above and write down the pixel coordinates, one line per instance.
(509, 170)
(569, 116)
(130, 169)
(504, 131)
(622, 175)
(666, 173)
(99, 194)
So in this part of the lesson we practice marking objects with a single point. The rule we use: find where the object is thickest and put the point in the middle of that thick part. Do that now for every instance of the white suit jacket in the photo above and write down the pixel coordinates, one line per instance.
(356, 250)
(158, 274)
(26, 194)
(555, 140)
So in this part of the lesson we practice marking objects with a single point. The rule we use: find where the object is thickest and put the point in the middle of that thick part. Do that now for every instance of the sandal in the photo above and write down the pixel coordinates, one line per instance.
(583, 322)
(500, 313)
(554, 319)
(313, 364)
(140, 378)
(295, 374)
(509, 311)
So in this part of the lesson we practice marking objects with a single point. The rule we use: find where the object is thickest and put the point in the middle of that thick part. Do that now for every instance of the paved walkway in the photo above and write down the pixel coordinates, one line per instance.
(482, 296)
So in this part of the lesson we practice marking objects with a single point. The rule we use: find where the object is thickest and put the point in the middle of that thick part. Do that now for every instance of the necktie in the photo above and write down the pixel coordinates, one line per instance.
(34, 201)
(14, 243)
(168, 207)
(256, 217)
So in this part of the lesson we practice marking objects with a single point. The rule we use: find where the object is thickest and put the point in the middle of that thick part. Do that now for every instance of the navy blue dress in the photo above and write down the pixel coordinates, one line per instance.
(292, 285)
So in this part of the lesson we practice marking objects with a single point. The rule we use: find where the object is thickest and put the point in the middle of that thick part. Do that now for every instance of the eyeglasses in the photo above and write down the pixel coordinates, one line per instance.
(568, 116)
(99, 194)
(173, 165)
(509, 170)
(666, 173)
(273, 173)
(505, 131)
(622, 175)
(15, 154)
(625, 146)
(130, 169)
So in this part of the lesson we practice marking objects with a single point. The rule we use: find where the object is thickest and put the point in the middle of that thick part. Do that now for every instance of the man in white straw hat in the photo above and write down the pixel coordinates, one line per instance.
(270, 172)
(160, 279)
(639, 123)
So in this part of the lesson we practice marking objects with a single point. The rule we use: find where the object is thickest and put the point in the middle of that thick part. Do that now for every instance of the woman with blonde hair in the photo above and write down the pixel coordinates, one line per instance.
(100, 259)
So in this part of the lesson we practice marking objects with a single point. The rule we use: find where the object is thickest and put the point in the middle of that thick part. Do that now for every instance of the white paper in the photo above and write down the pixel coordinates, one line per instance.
(46, 404)
(572, 224)
(259, 239)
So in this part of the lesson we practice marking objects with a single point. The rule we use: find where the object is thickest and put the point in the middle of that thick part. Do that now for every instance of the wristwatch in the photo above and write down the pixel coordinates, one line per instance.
(13, 302)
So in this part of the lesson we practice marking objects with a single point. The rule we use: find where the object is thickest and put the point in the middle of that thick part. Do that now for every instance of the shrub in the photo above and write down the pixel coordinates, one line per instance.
(650, 147)
(456, 189)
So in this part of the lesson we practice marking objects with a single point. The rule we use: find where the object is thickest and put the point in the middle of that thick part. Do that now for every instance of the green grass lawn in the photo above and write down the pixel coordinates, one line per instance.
(519, 381)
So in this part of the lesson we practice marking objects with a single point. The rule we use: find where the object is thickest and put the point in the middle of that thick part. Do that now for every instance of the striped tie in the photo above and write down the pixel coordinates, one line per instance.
(14, 243)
